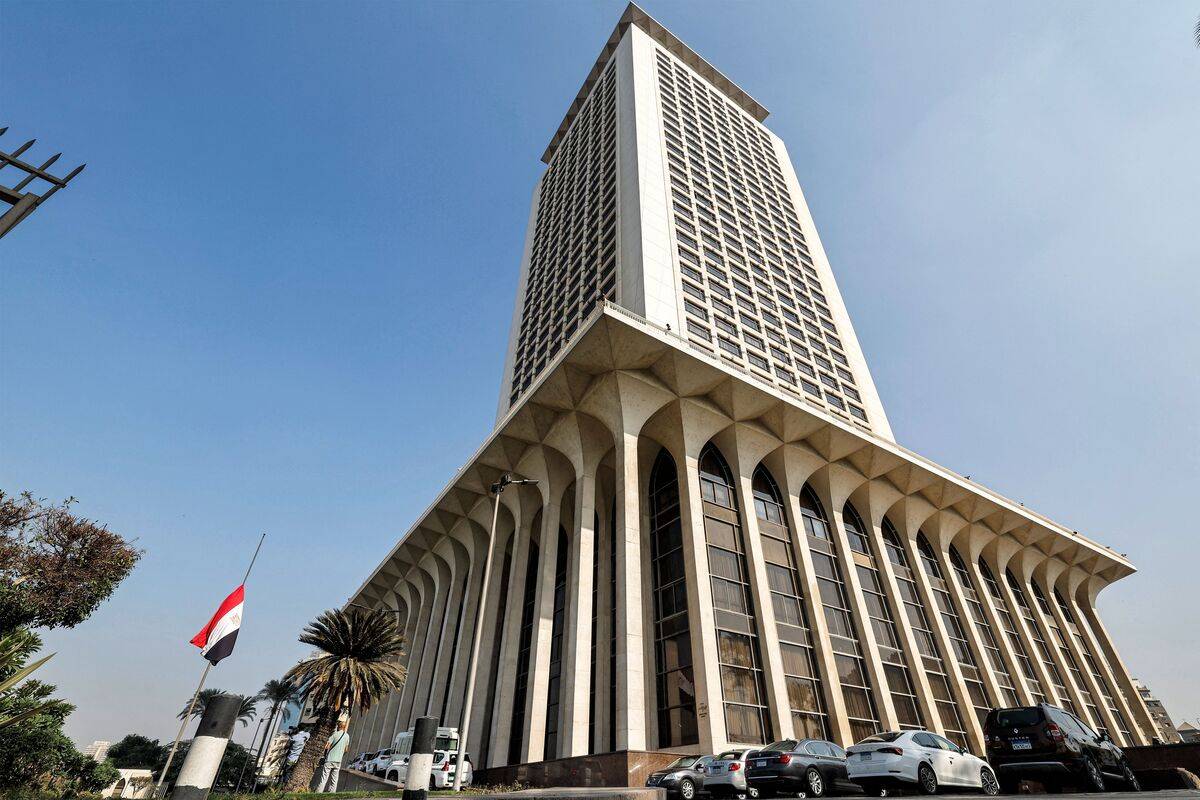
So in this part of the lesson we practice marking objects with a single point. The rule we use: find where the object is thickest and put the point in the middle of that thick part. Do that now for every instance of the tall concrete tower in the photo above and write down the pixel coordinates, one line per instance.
(665, 194)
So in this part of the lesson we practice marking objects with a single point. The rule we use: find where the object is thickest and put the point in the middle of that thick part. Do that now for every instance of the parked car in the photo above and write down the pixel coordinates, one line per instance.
(379, 762)
(442, 776)
(916, 759)
(725, 775)
(813, 767)
(360, 763)
(683, 777)
(1054, 747)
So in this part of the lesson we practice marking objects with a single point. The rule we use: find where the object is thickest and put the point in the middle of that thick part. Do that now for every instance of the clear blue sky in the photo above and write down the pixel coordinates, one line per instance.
(278, 298)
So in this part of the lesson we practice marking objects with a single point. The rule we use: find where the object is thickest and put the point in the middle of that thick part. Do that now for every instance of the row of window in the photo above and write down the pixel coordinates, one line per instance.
(745, 266)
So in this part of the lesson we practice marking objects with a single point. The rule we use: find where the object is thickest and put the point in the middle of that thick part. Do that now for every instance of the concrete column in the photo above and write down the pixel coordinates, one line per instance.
(447, 646)
(1140, 718)
(543, 628)
(207, 748)
(631, 644)
(429, 657)
(577, 633)
(466, 627)
(509, 646)
(706, 668)
(404, 715)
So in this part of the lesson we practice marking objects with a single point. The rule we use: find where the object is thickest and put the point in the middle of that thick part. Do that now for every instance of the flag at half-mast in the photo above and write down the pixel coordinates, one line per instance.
(216, 639)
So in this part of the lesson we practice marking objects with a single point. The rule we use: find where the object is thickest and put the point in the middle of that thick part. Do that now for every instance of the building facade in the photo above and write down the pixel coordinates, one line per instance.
(725, 544)
(1164, 729)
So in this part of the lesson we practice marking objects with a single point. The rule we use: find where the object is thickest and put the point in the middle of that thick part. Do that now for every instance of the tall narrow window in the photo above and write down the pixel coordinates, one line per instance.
(954, 629)
(554, 679)
(887, 640)
(1092, 714)
(791, 621)
(486, 744)
(1039, 644)
(746, 718)
(454, 649)
(918, 620)
(593, 725)
(847, 652)
(991, 647)
(1089, 656)
(674, 679)
(516, 734)
(1010, 631)
(612, 627)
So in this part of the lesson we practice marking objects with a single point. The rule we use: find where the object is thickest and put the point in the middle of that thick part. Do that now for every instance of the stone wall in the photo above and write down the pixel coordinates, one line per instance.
(623, 768)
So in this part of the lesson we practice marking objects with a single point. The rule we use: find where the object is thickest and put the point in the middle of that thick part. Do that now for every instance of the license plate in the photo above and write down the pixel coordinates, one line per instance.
(866, 756)
(1021, 744)
(760, 763)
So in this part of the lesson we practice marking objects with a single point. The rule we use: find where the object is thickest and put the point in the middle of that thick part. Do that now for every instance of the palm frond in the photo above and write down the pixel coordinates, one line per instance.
(357, 659)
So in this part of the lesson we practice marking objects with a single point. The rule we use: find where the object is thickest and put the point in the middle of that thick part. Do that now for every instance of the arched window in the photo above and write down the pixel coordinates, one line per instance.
(1060, 686)
(991, 647)
(954, 629)
(674, 680)
(743, 688)
(918, 621)
(887, 638)
(1004, 614)
(835, 601)
(791, 621)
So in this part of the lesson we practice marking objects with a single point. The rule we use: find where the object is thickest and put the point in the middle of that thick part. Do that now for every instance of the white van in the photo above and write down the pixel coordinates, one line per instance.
(445, 740)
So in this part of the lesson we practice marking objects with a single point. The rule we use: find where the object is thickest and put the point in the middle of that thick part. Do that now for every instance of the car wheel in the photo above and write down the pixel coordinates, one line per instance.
(988, 782)
(1131, 781)
(815, 783)
(1091, 778)
(687, 789)
(927, 780)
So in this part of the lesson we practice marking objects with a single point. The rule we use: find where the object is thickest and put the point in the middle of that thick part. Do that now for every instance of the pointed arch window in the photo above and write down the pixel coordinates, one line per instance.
(805, 699)
(743, 688)
(887, 638)
(918, 620)
(1010, 632)
(674, 680)
(991, 647)
(835, 601)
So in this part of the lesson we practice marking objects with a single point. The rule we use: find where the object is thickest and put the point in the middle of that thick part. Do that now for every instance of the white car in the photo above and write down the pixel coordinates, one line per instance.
(360, 763)
(916, 759)
(379, 762)
(442, 774)
(725, 775)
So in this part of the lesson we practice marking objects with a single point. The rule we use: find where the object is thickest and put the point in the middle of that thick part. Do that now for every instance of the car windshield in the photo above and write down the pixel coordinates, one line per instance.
(1018, 717)
(683, 761)
(784, 746)
(729, 755)
(887, 736)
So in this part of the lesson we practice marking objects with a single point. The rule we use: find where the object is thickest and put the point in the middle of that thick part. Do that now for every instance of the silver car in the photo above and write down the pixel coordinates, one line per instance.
(726, 775)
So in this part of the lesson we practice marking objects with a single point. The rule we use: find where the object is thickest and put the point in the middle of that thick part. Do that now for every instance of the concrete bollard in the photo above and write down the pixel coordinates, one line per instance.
(208, 748)
(420, 761)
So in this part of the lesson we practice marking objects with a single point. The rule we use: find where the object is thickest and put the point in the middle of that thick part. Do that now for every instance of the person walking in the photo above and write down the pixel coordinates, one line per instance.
(335, 749)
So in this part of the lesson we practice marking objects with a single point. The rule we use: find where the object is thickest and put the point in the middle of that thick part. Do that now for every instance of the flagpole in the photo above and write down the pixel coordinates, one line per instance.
(175, 745)
(203, 675)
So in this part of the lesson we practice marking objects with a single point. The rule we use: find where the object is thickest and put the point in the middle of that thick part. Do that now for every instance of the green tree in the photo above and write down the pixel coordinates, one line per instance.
(137, 752)
(356, 665)
(55, 568)
(245, 714)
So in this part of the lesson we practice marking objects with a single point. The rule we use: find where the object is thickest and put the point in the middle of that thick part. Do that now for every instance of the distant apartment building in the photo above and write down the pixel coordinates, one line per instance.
(97, 749)
(1164, 728)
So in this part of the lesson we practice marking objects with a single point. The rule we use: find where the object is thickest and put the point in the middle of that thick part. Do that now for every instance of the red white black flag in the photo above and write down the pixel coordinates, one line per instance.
(216, 639)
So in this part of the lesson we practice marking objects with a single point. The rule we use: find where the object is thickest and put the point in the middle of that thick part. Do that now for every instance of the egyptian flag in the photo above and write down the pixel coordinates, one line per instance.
(216, 639)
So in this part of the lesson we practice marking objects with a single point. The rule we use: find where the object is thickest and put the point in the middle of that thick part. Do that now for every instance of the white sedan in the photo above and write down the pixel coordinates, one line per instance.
(916, 759)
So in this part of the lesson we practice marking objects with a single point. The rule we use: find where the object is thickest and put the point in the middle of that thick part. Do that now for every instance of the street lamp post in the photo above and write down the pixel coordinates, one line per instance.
(464, 728)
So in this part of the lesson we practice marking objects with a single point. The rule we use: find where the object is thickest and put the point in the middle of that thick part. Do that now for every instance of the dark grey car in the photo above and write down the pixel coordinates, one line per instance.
(813, 767)
(683, 777)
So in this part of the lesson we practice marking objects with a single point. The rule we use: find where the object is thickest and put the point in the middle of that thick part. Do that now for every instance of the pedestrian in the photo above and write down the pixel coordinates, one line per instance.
(335, 749)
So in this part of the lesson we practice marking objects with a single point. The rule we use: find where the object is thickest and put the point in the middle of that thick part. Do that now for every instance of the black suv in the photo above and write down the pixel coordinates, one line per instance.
(1054, 747)
(812, 767)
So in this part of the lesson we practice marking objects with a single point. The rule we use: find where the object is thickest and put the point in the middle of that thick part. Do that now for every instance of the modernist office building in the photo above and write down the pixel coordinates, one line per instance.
(725, 545)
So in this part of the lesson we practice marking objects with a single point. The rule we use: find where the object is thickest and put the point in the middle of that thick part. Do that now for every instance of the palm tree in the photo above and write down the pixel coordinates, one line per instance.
(355, 666)
(277, 693)
(245, 713)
